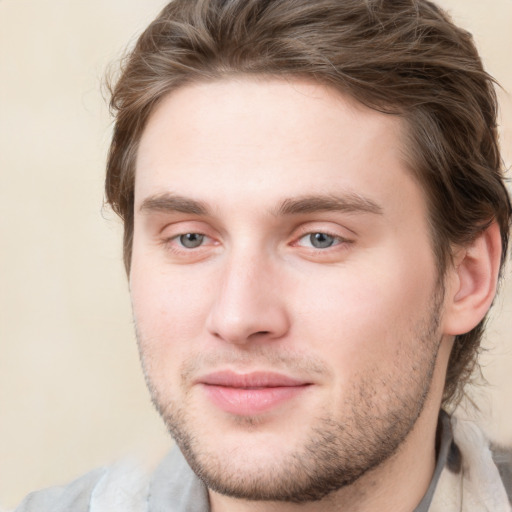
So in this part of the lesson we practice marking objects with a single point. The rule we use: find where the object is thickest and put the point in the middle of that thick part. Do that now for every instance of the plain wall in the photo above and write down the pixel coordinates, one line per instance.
(71, 393)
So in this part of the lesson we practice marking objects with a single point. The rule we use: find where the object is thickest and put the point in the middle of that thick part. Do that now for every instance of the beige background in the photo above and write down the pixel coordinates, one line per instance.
(71, 394)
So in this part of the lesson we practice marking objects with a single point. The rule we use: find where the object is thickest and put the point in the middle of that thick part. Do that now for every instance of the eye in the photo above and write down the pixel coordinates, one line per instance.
(318, 240)
(191, 240)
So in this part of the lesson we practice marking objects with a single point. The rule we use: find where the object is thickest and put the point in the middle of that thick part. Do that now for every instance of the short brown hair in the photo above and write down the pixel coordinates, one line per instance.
(402, 57)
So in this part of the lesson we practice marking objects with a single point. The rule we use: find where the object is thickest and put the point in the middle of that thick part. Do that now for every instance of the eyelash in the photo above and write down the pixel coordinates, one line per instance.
(176, 245)
(337, 240)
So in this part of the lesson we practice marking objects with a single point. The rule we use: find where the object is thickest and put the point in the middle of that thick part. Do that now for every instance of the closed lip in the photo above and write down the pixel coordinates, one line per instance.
(250, 380)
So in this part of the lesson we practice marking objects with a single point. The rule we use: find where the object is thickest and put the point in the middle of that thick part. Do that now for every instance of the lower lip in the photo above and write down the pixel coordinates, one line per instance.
(246, 402)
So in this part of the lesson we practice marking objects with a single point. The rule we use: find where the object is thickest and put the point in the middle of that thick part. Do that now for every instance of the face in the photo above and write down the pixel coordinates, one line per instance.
(283, 284)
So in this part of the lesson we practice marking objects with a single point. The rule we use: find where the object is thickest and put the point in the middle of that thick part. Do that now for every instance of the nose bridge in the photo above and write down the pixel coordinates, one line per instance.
(246, 304)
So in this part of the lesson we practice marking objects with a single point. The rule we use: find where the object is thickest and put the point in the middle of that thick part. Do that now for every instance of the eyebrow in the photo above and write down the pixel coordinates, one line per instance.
(349, 203)
(167, 203)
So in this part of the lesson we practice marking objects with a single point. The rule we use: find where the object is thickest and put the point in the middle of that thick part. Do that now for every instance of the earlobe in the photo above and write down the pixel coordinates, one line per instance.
(473, 287)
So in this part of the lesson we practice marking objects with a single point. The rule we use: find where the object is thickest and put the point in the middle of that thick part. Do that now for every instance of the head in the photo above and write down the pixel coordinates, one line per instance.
(404, 58)
(403, 61)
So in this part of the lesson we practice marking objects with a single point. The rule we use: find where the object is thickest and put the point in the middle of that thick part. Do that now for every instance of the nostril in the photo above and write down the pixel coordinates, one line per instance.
(239, 322)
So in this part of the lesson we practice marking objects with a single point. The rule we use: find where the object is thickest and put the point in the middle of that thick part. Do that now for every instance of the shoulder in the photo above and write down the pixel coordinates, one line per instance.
(503, 459)
(124, 487)
(120, 488)
(74, 497)
(471, 479)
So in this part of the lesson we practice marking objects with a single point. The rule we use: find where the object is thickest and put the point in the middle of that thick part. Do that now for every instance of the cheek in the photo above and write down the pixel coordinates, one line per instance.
(360, 315)
(170, 314)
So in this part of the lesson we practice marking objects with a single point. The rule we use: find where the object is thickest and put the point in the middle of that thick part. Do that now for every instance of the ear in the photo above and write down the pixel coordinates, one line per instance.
(472, 281)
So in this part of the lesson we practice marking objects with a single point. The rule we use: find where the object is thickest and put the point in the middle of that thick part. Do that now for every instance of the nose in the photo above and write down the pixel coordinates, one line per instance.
(249, 304)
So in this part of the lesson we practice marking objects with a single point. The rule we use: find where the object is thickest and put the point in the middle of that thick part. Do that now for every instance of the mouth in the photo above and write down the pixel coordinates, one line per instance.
(248, 394)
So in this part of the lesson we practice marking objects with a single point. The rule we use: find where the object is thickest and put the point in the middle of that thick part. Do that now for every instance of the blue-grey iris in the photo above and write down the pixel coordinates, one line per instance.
(191, 240)
(321, 240)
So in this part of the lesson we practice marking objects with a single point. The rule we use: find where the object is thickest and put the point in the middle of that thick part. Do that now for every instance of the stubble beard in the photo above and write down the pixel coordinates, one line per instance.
(338, 450)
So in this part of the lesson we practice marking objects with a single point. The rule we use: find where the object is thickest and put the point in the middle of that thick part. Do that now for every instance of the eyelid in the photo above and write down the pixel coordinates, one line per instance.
(336, 231)
(175, 237)
(335, 253)
(178, 237)
(169, 235)
(182, 227)
(337, 240)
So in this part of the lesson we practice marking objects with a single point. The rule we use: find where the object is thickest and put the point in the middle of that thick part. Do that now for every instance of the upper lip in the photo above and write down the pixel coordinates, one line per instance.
(250, 380)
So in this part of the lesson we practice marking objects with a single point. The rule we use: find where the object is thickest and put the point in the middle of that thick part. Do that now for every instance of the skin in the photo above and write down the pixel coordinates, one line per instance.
(364, 321)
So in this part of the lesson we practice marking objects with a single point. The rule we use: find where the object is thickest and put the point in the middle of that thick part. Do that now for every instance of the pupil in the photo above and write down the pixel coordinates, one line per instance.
(191, 240)
(321, 240)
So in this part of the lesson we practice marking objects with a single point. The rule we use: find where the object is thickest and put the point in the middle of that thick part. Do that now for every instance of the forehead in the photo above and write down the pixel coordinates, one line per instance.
(270, 138)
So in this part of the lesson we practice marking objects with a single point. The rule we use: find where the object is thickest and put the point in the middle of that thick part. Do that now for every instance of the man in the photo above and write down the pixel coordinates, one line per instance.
(315, 222)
